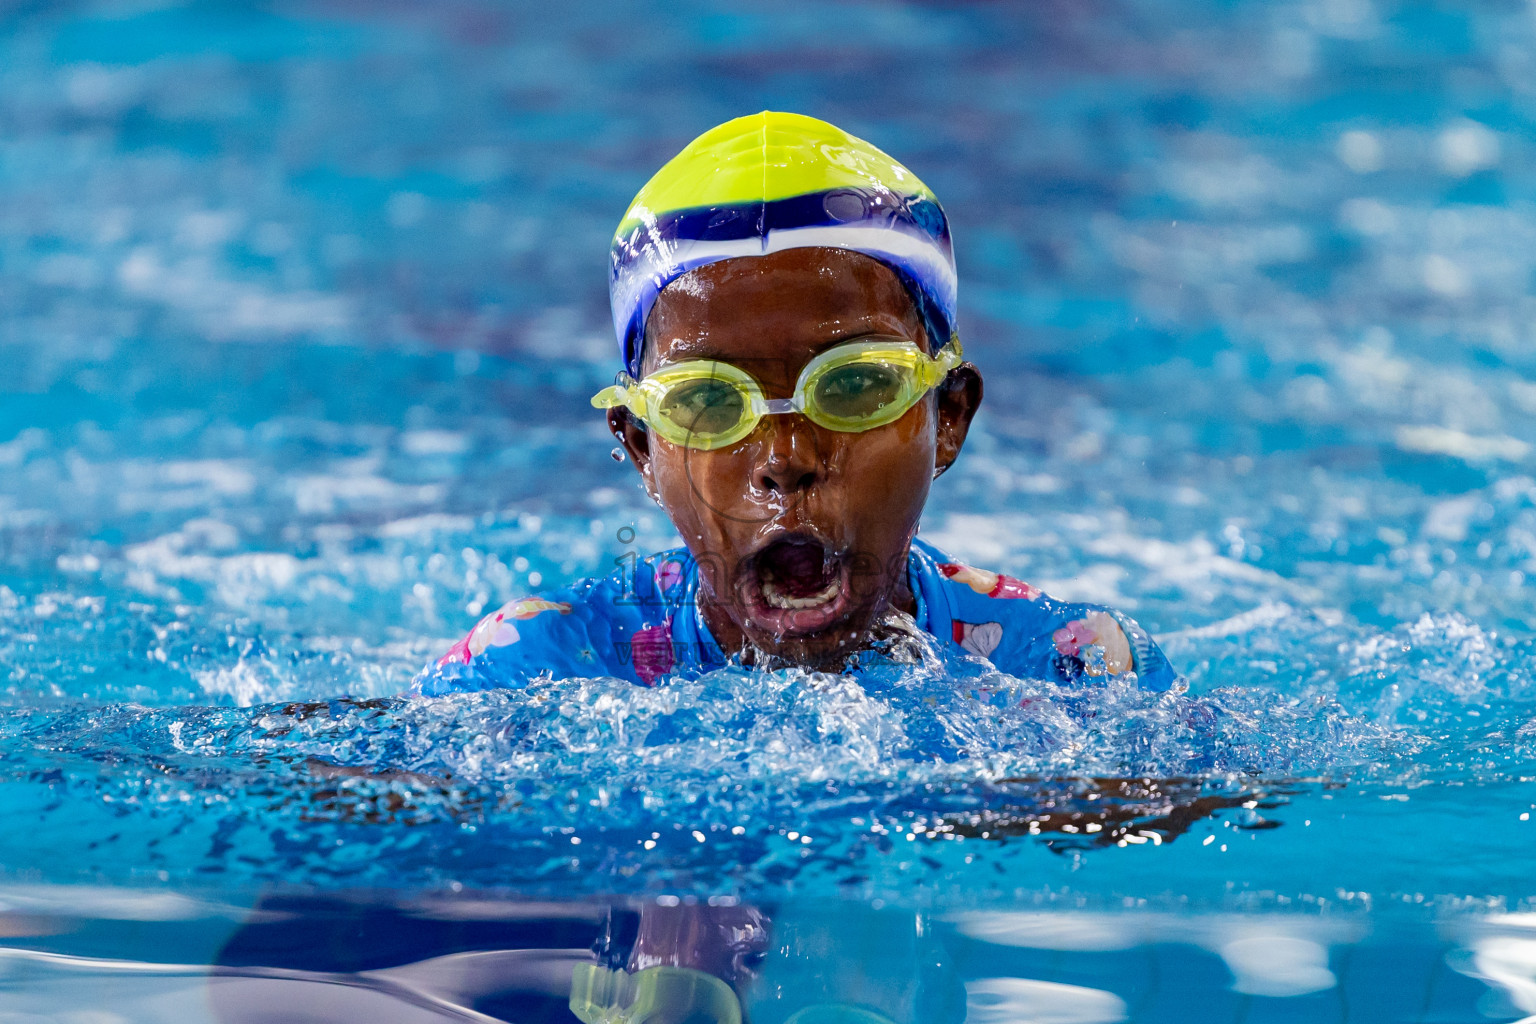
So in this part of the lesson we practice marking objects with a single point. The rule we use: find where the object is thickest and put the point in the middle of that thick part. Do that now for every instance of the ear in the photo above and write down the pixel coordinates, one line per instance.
(636, 441)
(959, 396)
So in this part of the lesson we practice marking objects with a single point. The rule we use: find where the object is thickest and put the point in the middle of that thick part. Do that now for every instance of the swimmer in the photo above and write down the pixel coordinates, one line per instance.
(784, 299)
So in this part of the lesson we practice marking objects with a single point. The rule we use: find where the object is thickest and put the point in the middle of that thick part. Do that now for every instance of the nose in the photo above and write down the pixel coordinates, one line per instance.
(789, 461)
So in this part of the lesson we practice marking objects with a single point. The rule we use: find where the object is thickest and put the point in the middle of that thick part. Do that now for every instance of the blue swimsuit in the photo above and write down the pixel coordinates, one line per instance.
(644, 624)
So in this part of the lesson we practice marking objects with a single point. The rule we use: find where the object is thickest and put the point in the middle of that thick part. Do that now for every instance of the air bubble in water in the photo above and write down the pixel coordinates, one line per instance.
(618, 454)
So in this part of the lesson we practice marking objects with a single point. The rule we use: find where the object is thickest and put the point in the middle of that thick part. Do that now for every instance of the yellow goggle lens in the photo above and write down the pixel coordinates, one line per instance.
(706, 404)
(858, 391)
(702, 404)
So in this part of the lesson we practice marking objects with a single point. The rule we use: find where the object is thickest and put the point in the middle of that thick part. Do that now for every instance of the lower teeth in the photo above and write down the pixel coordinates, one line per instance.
(777, 598)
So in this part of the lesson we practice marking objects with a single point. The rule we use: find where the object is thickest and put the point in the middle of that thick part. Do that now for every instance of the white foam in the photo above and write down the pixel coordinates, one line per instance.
(1467, 146)
(224, 307)
(434, 442)
(1437, 440)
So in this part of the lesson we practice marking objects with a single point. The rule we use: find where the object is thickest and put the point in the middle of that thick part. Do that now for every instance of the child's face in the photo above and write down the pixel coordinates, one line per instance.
(800, 532)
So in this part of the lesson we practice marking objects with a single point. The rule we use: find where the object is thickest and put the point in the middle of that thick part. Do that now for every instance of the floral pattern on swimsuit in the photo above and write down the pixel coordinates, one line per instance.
(497, 629)
(643, 624)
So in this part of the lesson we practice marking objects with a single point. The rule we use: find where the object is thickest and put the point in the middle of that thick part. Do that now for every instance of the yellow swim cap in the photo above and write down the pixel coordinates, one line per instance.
(775, 181)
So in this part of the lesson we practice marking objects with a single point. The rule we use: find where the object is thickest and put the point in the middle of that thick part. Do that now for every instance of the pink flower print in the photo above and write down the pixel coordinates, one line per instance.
(980, 638)
(1008, 587)
(465, 650)
(1098, 640)
(528, 607)
(493, 631)
(1069, 639)
(497, 629)
(458, 652)
(979, 580)
(989, 583)
(651, 651)
(669, 574)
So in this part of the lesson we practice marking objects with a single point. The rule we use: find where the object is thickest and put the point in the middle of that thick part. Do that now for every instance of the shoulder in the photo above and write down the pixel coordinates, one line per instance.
(501, 627)
(1024, 631)
(570, 631)
(961, 585)
(505, 648)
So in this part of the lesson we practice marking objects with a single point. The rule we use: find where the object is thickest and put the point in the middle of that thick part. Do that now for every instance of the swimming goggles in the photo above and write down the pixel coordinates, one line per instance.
(707, 404)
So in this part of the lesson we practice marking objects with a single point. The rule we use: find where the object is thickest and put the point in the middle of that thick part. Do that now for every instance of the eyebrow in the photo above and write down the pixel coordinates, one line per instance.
(706, 352)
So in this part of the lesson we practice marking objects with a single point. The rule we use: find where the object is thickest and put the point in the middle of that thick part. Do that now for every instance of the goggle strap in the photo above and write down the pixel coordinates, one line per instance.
(949, 357)
(624, 391)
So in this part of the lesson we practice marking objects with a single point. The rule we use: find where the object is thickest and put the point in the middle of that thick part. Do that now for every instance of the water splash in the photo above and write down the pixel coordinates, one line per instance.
(595, 771)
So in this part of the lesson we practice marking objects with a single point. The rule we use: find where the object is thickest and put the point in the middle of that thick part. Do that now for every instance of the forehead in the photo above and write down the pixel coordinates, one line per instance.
(780, 308)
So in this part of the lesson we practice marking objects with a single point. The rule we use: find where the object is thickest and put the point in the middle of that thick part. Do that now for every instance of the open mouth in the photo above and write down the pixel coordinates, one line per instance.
(797, 585)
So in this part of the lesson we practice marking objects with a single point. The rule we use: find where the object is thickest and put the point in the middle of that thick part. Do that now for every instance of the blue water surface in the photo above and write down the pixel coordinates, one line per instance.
(300, 306)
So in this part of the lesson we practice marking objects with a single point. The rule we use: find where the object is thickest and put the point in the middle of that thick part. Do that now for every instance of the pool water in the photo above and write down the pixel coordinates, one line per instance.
(302, 305)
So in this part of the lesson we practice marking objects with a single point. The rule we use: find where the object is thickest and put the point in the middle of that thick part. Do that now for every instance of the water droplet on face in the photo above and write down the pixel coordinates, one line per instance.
(618, 454)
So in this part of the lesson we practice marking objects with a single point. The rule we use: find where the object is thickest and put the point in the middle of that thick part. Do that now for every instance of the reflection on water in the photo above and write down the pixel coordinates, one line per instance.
(294, 957)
